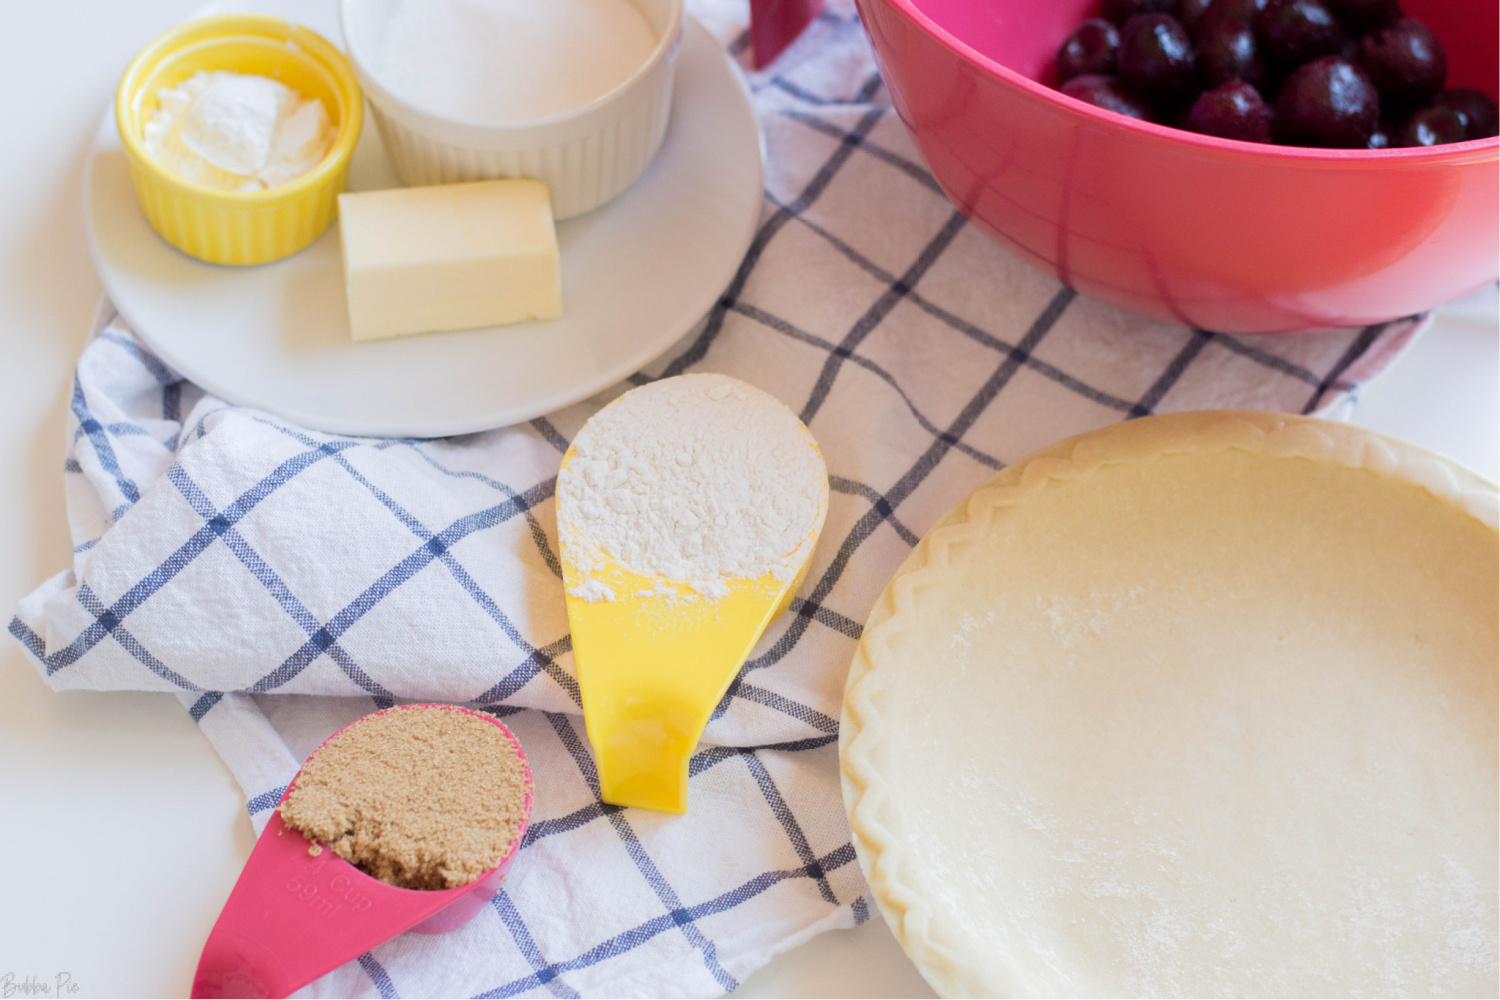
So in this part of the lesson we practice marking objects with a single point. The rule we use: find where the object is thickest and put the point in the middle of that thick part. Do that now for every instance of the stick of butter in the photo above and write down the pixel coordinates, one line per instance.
(450, 257)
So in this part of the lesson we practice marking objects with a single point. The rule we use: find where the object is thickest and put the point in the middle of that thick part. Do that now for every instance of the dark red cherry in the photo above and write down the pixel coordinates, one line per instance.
(1292, 32)
(1091, 48)
(1234, 10)
(1190, 12)
(1481, 117)
(1406, 64)
(1360, 17)
(1327, 102)
(1233, 111)
(1109, 93)
(1379, 139)
(1227, 50)
(1120, 11)
(1433, 127)
(1157, 58)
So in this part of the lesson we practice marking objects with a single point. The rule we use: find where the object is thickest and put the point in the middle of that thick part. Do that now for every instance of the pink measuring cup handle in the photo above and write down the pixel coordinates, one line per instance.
(292, 917)
(775, 24)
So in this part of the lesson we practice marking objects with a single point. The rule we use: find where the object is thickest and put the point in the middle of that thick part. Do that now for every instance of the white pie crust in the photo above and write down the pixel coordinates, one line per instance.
(988, 901)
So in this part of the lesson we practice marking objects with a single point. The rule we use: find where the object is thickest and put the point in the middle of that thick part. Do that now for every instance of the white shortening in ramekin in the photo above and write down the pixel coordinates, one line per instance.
(586, 155)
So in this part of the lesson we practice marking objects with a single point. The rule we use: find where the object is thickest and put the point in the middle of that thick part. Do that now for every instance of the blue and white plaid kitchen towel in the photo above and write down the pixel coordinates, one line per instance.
(284, 582)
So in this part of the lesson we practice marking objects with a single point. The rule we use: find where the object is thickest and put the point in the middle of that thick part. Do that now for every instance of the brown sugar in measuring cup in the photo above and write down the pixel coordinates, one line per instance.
(425, 799)
(418, 795)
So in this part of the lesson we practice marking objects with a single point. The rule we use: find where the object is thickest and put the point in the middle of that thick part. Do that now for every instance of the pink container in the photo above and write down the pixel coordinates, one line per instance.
(1224, 235)
(292, 917)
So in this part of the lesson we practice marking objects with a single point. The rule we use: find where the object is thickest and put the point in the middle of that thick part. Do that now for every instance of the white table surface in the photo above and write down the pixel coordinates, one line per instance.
(121, 831)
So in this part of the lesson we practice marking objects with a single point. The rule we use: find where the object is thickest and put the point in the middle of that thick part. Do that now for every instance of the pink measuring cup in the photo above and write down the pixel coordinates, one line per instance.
(292, 917)
(775, 24)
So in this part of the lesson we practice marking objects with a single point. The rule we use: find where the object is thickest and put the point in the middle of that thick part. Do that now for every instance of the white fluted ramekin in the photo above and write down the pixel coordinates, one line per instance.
(586, 155)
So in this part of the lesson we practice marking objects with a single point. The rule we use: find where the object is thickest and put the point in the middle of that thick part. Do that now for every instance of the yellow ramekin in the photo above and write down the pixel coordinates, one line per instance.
(225, 227)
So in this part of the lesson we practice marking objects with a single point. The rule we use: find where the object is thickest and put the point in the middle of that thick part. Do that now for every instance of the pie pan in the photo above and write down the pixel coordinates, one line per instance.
(1201, 704)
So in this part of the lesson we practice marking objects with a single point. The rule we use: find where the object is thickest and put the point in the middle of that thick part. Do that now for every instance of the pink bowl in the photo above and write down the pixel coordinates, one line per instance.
(1224, 235)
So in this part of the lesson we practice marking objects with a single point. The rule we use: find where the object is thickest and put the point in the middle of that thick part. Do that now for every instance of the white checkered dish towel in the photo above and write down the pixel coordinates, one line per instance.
(283, 582)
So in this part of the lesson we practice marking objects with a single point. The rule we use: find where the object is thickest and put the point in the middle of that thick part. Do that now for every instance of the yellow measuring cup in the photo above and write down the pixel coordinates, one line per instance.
(655, 653)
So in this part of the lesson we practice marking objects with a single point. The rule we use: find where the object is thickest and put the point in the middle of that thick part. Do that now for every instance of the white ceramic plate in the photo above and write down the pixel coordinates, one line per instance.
(637, 274)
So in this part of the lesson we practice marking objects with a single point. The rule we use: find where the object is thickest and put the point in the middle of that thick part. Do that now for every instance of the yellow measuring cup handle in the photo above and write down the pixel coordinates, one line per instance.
(651, 668)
